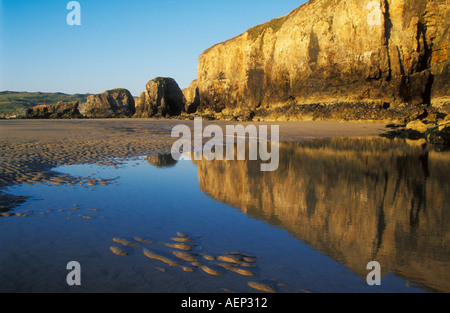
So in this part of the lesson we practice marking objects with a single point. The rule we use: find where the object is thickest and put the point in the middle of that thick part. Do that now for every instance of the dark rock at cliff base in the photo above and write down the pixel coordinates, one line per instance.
(162, 98)
(347, 111)
(115, 103)
(440, 137)
(437, 134)
(62, 110)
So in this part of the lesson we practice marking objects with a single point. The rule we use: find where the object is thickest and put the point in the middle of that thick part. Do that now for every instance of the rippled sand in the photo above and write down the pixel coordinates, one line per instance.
(29, 149)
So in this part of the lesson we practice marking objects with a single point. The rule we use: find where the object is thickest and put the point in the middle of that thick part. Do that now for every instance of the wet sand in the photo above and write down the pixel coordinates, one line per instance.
(29, 149)
(32, 149)
(59, 142)
(30, 146)
(12, 131)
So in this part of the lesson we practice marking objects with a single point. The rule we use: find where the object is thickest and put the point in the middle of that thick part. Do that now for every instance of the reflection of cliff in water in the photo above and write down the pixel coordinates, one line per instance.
(356, 200)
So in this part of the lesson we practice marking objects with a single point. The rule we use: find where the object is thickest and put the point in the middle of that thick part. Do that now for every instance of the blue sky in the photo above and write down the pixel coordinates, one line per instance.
(120, 43)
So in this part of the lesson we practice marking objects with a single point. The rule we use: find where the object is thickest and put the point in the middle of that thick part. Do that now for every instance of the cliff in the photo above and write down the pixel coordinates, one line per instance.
(162, 98)
(62, 110)
(115, 103)
(347, 59)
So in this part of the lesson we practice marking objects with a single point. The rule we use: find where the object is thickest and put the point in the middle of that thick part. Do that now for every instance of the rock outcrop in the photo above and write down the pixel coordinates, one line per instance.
(162, 98)
(192, 97)
(115, 103)
(376, 58)
(437, 134)
(62, 110)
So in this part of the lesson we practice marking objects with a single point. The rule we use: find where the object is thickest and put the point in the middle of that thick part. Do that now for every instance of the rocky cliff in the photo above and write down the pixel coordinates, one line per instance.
(192, 98)
(63, 110)
(346, 59)
(113, 103)
(162, 98)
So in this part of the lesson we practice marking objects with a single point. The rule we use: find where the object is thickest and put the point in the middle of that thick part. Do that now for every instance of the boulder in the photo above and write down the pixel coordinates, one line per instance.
(62, 110)
(115, 103)
(39, 111)
(417, 126)
(162, 98)
(440, 137)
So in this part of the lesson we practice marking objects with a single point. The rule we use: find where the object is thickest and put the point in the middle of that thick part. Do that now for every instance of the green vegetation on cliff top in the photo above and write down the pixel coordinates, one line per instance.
(254, 32)
(275, 24)
(118, 90)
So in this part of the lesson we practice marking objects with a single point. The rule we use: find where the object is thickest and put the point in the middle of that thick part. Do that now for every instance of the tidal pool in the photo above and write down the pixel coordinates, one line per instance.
(313, 225)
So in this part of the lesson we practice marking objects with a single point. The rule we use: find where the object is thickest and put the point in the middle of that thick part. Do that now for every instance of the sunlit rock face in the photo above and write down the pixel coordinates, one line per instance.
(356, 200)
(162, 98)
(115, 103)
(66, 110)
(347, 59)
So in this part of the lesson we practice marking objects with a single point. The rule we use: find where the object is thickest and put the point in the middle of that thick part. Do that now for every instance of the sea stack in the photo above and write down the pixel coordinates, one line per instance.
(62, 110)
(162, 98)
(115, 103)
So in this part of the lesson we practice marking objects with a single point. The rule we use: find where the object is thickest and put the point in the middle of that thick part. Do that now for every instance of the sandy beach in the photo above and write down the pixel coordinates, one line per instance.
(30, 148)
(327, 192)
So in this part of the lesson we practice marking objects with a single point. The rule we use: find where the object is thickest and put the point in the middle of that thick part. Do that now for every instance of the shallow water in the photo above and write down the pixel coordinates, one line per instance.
(331, 207)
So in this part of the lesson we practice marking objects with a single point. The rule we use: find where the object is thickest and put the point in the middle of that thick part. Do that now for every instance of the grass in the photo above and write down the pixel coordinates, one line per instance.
(254, 32)
(275, 24)
(119, 90)
(15, 103)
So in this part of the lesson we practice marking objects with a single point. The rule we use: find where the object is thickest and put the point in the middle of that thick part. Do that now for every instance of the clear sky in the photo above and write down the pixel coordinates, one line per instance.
(120, 43)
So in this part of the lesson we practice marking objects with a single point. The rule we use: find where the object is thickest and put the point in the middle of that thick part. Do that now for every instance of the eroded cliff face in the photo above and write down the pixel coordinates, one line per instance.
(115, 103)
(65, 110)
(162, 98)
(371, 56)
(355, 200)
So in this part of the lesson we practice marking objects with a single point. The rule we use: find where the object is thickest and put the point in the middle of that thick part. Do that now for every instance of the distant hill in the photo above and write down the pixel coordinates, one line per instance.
(14, 103)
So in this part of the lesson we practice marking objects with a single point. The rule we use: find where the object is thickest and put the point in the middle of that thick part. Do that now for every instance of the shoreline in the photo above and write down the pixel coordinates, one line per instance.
(289, 130)
(30, 149)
